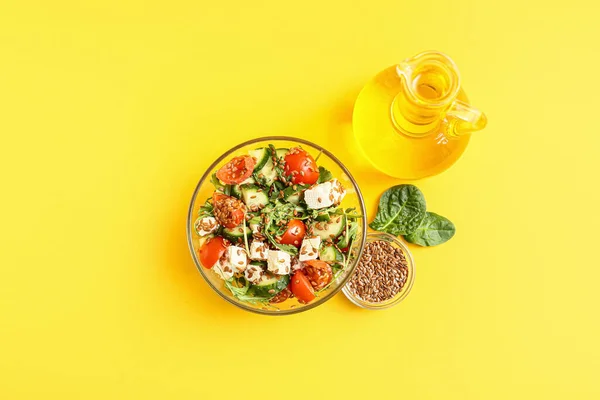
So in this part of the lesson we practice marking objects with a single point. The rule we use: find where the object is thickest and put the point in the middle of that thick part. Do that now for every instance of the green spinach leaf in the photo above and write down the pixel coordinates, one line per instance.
(324, 175)
(401, 210)
(433, 230)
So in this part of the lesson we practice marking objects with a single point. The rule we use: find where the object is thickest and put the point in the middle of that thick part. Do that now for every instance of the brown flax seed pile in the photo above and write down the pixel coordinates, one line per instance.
(380, 274)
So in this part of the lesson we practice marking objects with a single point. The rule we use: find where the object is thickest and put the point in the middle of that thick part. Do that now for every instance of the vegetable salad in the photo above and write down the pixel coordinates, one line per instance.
(274, 228)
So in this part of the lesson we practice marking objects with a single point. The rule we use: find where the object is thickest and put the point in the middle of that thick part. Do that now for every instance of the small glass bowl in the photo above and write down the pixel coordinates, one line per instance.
(401, 295)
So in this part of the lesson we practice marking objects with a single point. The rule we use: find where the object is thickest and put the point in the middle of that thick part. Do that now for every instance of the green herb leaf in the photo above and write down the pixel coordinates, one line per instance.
(349, 234)
(433, 230)
(216, 182)
(401, 210)
(205, 210)
(324, 175)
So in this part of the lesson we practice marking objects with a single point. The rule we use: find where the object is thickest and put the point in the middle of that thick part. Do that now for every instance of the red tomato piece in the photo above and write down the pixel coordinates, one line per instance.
(318, 272)
(237, 170)
(294, 233)
(301, 166)
(228, 210)
(301, 288)
(212, 250)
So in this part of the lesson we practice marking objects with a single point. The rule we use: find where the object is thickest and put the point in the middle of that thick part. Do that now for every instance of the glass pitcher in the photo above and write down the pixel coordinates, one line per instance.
(413, 119)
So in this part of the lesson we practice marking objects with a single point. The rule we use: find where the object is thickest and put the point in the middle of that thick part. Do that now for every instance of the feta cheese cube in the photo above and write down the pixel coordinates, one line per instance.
(258, 250)
(223, 270)
(205, 225)
(236, 257)
(338, 191)
(324, 194)
(253, 273)
(310, 248)
(278, 262)
(296, 264)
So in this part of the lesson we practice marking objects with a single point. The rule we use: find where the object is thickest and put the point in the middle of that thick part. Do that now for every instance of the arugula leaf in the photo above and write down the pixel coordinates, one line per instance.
(350, 234)
(242, 293)
(433, 230)
(291, 250)
(216, 182)
(206, 210)
(324, 175)
(401, 210)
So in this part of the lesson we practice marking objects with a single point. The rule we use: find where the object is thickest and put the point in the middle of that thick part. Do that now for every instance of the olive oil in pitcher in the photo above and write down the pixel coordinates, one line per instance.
(413, 119)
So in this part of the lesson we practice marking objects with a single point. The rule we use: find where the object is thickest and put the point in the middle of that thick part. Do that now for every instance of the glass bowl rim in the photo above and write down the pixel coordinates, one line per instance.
(404, 292)
(320, 300)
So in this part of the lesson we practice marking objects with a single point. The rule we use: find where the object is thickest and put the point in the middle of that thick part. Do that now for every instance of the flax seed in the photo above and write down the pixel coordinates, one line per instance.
(381, 273)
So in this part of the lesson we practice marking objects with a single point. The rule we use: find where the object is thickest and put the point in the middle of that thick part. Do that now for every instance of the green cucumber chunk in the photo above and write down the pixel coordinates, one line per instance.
(235, 235)
(262, 155)
(280, 153)
(254, 197)
(236, 192)
(270, 285)
(330, 230)
(330, 254)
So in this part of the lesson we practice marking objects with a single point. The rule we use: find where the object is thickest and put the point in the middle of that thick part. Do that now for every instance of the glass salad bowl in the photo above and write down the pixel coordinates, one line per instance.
(353, 199)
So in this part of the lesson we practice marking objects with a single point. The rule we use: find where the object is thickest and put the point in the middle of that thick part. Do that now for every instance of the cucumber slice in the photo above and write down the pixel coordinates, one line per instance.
(270, 285)
(267, 174)
(235, 235)
(294, 199)
(323, 217)
(236, 192)
(330, 254)
(293, 196)
(331, 229)
(249, 181)
(262, 155)
(352, 231)
(280, 153)
(254, 197)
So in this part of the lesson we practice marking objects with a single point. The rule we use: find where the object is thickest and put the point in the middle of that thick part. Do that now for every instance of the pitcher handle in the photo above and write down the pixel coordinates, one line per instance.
(462, 119)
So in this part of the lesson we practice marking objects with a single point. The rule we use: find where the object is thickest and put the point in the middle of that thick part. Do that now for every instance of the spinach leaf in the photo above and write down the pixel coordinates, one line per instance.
(324, 175)
(434, 230)
(401, 210)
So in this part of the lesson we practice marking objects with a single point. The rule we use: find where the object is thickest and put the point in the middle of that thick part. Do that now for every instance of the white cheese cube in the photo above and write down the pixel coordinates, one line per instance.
(296, 264)
(258, 250)
(253, 273)
(317, 196)
(310, 248)
(223, 270)
(236, 257)
(324, 194)
(205, 225)
(338, 191)
(278, 262)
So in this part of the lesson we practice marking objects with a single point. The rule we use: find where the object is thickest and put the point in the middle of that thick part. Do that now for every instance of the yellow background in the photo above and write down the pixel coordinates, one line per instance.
(111, 110)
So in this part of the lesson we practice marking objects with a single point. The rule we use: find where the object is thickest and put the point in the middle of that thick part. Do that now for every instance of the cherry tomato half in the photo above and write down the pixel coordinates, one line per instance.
(318, 272)
(237, 170)
(212, 250)
(302, 288)
(302, 165)
(294, 233)
(228, 210)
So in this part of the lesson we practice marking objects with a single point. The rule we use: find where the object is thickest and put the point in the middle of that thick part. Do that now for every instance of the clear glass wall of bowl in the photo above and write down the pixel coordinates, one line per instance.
(353, 198)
